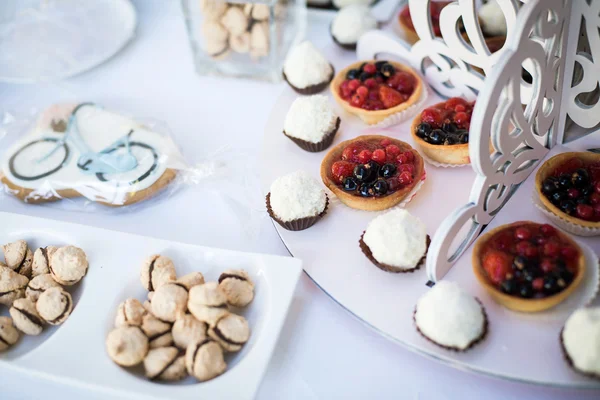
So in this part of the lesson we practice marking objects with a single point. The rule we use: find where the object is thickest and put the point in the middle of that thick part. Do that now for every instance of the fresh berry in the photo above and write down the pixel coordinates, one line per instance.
(385, 142)
(410, 168)
(392, 150)
(497, 264)
(409, 156)
(341, 170)
(580, 178)
(350, 184)
(371, 83)
(459, 108)
(389, 97)
(594, 198)
(379, 156)
(357, 100)
(363, 91)
(462, 119)
(370, 68)
(564, 181)
(452, 102)
(388, 70)
(350, 153)
(361, 172)
(522, 247)
(402, 158)
(551, 249)
(573, 193)
(353, 84)
(550, 185)
(352, 74)
(547, 265)
(405, 178)
(364, 156)
(522, 233)
(568, 253)
(432, 116)
(365, 190)
(585, 211)
(423, 130)
(387, 171)
(525, 290)
(404, 82)
(537, 284)
(509, 286)
(380, 187)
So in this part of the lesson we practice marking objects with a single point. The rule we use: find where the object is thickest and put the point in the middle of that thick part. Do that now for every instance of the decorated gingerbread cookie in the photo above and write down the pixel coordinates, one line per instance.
(86, 151)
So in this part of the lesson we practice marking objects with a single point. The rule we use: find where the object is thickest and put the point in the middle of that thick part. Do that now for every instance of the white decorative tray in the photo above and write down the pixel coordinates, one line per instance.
(74, 353)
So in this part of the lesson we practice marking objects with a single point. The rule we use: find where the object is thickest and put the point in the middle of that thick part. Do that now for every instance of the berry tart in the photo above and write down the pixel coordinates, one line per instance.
(375, 90)
(395, 241)
(296, 201)
(350, 23)
(442, 131)
(528, 267)
(580, 341)
(372, 172)
(435, 8)
(306, 70)
(450, 318)
(311, 123)
(568, 185)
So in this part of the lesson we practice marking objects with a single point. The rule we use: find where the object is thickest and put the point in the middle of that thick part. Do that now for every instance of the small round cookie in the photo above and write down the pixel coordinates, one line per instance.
(231, 332)
(450, 317)
(207, 302)
(54, 305)
(14, 253)
(311, 123)
(68, 265)
(187, 330)
(12, 285)
(157, 331)
(237, 286)
(169, 302)
(25, 317)
(38, 284)
(306, 70)
(130, 312)
(580, 341)
(204, 360)
(41, 260)
(166, 364)
(9, 335)
(127, 345)
(156, 271)
(192, 279)
(350, 23)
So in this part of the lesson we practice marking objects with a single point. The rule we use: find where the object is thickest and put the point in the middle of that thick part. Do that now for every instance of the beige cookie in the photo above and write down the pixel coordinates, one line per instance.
(9, 335)
(231, 332)
(127, 345)
(207, 302)
(157, 331)
(25, 317)
(237, 286)
(18, 257)
(169, 302)
(192, 279)
(12, 285)
(54, 305)
(68, 265)
(187, 330)
(38, 284)
(204, 360)
(41, 260)
(130, 312)
(165, 363)
(156, 271)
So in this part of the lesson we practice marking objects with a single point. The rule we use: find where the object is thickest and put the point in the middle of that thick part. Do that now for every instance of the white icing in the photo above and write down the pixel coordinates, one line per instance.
(297, 195)
(351, 22)
(581, 339)
(344, 3)
(306, 66)
(449, 316)
(397, 238)
(99, 129)
(310, 118)
(492, 19)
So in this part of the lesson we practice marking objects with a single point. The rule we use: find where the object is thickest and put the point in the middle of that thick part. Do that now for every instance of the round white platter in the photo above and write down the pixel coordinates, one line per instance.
(518, 347)
(56, 39)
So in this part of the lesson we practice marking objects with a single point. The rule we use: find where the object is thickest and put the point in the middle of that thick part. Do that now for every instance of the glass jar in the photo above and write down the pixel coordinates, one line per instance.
(243, 39)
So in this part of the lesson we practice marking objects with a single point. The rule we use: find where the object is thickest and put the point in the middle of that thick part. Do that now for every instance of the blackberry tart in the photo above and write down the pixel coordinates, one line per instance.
(568, 185)
(442, 131)
(375, 90)
(372, 172)
(528, 267)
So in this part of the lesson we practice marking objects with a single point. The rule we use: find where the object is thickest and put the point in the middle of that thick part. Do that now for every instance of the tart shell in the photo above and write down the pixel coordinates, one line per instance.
(410, 35)
(548, 168)
(299, 224)
(369, 203)
(312, 89)
(390, 268)
(372, 117)
(316, 147)
(516, 303)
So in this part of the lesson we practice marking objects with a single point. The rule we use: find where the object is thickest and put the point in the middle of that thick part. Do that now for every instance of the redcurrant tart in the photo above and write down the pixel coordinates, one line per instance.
(365, 172)
(524, 273)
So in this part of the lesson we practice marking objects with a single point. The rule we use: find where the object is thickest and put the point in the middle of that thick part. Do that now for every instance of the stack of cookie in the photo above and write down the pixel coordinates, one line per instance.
(31, 285)
(185, 325)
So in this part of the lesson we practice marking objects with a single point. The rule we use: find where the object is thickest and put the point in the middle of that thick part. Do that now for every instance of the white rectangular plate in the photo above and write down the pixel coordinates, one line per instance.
(74, 353)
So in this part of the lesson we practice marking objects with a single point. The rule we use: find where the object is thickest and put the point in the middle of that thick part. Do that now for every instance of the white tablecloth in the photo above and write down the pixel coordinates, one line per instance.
(323, 352)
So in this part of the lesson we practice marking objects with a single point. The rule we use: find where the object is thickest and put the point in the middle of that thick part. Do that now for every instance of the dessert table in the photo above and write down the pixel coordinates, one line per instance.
(323, 352)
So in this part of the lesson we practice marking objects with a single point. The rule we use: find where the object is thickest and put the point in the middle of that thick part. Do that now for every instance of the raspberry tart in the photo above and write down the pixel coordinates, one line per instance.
(311, 123)
(395, 242)
(568, 185)
(579, 341)
(441, 131)
(306, 70)
(451, 318)
(528, 267)
(375, 90)
(372, 172)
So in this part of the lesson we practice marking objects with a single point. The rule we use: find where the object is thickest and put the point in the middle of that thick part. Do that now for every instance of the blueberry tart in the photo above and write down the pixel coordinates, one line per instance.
(350, 23)
(311, 123)
(306, 70)
(374, 90)
(395, 242)
(372, 172)
(568, 185)
(528, 267)
(296, 201)
(580, 339)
